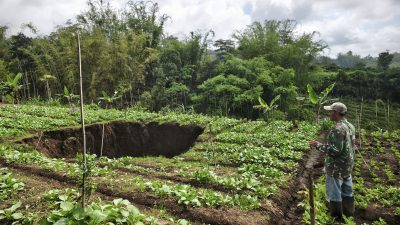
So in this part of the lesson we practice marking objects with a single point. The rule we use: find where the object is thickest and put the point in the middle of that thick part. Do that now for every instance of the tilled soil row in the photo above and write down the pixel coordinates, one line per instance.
(182, 180)
(223, 216)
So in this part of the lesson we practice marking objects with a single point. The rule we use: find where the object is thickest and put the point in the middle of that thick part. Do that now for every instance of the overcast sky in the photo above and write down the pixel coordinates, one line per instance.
(364, 27)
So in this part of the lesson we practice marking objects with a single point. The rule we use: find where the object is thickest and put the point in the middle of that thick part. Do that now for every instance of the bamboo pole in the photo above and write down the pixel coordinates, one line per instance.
(83, 125)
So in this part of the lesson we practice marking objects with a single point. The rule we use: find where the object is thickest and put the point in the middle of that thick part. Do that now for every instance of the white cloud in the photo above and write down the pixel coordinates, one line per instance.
(365, 27)
(44, 14)
(223, 17)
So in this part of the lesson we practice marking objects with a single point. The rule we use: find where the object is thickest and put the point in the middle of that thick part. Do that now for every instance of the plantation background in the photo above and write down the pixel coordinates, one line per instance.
(128, 60)
(254, 101)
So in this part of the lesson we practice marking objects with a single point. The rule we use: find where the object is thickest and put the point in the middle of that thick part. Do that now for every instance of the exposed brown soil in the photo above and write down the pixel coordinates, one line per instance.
(283, 208)
(221, 216)
(224, 216)
(36, 184)
(373, 213)
(135, 139)
(178, 179)
(120, 139)
(285, 204)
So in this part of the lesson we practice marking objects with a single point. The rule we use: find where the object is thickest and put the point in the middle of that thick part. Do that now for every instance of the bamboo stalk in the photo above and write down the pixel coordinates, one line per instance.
(82, 124)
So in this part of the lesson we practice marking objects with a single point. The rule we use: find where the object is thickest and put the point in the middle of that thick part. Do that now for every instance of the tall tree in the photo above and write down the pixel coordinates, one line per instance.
(277, 42)
(384, 60)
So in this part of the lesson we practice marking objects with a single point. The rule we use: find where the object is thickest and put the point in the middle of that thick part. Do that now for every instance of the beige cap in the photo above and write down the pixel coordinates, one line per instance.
(337, 107)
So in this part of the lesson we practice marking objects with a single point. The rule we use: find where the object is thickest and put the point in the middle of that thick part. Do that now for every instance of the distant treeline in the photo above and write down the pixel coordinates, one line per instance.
(128, 59)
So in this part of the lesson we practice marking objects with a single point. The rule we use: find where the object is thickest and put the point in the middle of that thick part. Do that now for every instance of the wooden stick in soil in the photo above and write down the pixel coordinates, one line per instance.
(388, 116)
(376, 112)
(37, 144)
(311, 197)
(83, 125)
(102, 142)
(361, 111)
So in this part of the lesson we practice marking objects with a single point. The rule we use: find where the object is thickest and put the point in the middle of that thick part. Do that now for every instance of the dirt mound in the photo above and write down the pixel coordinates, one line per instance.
(120, 139)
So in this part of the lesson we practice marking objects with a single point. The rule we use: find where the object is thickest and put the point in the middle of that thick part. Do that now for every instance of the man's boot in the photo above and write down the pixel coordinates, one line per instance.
(348, 206)
(336, 209)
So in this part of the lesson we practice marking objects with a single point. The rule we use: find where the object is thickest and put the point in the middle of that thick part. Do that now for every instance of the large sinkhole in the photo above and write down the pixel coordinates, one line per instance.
(119, 139)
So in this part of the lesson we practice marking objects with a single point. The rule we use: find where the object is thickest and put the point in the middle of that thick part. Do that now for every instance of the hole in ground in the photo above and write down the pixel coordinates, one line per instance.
(120, 139)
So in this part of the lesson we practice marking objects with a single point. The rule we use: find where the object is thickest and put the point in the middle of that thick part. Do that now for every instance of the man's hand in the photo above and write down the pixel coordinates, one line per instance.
(313, 143)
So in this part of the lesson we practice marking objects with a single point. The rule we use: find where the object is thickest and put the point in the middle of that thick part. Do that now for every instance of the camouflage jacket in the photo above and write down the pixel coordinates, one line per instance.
(339, 149)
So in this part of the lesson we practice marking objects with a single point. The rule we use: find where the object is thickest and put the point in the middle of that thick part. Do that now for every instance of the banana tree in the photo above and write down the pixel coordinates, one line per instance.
(46, 78)
(319, 100)
(70, 96)
(12, 86)
(267, 108)
(109, 100)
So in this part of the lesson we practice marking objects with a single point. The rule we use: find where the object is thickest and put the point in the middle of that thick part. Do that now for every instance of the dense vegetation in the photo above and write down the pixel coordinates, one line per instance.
(237, 169)
(128, 59)
(257, 97)
(258, 165)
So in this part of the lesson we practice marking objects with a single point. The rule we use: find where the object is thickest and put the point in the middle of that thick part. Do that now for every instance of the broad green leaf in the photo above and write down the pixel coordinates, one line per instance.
(327, 90)
(44, 222)
(66, 206)
(105, 95)
(79, 214)
(274, 100)
(124, 213)
(17, 78)
(15, 206)
(17, 216)
(98, 216)
(66, 91)
(311, 94)
(62, 221)
(117, 201)
(263, 103)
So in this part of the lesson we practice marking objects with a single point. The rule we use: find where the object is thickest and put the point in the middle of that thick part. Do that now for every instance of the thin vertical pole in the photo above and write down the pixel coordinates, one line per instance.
(359, 119)
(376, 112)
(388, 116)
(102, 141)
(311, 197)
(83, 125)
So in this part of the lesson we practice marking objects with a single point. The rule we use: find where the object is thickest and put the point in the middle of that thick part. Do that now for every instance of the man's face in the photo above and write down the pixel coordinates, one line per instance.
(332, 115)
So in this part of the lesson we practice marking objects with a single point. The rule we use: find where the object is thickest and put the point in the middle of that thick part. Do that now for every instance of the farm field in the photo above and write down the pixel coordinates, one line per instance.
(170, 168)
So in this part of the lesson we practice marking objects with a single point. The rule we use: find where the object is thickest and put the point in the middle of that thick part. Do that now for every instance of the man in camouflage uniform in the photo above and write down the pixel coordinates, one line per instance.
(339, 160)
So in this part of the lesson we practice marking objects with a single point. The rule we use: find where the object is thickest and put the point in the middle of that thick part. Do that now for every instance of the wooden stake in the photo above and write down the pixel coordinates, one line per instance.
(376, 112)
(83, 125)
(102, 142)
(311, 197)
(359, 120)
(388, 117)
